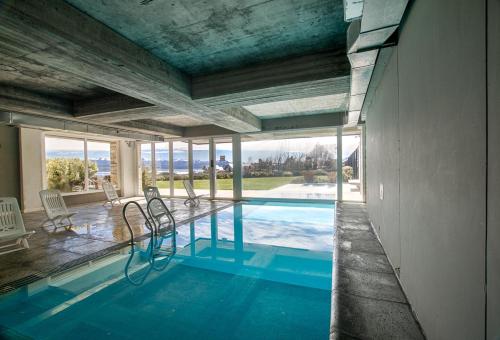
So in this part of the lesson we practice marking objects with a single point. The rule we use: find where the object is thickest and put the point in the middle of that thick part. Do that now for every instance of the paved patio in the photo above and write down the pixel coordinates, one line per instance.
(322, 191)
(98, 230)
(367, 300)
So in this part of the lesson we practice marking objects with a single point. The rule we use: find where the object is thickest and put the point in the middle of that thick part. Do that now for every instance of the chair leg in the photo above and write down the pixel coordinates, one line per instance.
(25, 243)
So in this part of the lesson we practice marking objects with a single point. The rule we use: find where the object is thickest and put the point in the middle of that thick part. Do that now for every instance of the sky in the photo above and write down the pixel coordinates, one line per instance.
(66, 144)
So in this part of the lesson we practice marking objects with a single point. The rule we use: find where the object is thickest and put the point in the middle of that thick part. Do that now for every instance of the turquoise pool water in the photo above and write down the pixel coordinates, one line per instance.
(251, 271)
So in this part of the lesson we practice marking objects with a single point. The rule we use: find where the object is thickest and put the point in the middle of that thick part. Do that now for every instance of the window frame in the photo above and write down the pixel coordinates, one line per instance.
(85, 140)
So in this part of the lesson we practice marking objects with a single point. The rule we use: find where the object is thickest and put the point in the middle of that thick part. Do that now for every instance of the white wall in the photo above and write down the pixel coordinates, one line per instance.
(31, 168)
(426, 131)
(128, 164)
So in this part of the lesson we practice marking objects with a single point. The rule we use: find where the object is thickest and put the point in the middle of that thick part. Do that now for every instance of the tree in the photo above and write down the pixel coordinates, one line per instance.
(64, 174)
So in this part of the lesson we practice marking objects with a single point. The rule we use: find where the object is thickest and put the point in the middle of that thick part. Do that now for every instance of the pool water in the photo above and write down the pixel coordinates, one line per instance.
(251, 271)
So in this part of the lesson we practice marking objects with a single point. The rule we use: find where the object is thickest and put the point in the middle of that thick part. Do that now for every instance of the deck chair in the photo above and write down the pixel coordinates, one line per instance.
(193, 199)
(111, 195)
(56, 210)
(156, 210)
(13, 235)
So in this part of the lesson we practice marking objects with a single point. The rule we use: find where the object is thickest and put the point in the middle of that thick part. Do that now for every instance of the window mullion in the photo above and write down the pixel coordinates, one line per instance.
(86, 164)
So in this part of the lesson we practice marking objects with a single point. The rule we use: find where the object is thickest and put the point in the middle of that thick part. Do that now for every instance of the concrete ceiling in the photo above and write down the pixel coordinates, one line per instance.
(201, 37)
(167, 69)
(302, 106)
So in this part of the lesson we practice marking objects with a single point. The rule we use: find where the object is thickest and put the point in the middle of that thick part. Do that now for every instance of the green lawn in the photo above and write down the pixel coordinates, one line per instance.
(263, 183)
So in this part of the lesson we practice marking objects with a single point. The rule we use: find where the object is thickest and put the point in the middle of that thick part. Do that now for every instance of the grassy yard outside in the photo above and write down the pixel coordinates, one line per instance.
(260, 183)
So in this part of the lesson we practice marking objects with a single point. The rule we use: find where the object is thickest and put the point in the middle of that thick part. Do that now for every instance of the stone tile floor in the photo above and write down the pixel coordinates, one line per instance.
(367, 300)
(98, 230)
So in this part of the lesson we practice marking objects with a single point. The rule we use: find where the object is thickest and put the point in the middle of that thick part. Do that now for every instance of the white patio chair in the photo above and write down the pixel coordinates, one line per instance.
(110, 192)
(156, 210)
(12, 227)
(193, 199)
(56, 210)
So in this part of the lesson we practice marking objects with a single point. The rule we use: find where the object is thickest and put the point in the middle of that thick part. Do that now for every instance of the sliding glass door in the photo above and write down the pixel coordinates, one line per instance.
(223, 168)
(201, 167)
(162, 168)
(298, 168)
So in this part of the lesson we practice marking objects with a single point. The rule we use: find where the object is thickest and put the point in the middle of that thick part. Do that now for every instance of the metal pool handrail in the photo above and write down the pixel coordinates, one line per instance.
(146, 220)
(156, 218)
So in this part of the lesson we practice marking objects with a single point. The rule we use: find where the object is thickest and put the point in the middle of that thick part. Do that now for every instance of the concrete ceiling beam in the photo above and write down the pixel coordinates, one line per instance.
(53, 33)
(300, 77)
(23, 101)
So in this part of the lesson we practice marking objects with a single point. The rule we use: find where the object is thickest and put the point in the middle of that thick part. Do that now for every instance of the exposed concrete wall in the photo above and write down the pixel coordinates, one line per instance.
(9, 162)
(31, 169)
(435, 80)
(493, 257)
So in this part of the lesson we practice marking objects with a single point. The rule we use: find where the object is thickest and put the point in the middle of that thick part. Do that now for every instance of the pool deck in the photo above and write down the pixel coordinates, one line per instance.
(98, 231)
(367, 300)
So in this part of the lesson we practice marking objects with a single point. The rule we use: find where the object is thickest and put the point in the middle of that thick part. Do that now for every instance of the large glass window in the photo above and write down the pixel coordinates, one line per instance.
(99, 164)
(162, 168)
(351, 166)
(69, 169)
(303, 168)
(201, 164)
(146, 172)
(65, 164)
(224, 169)
(181, 167)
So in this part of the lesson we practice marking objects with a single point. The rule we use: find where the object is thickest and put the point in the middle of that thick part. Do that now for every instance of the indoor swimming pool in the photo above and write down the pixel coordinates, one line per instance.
(254, 270)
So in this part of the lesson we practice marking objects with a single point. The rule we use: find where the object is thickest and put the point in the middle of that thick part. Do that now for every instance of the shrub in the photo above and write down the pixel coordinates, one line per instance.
(347, 173)
(64, 174)
(308, 176)
(146, 178)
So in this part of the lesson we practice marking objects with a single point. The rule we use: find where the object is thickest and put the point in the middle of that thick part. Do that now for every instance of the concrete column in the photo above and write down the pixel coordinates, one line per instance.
(211, 169)
(190, 161)
(339, 164)
(171, 166)
(237, 182)
(86, 165)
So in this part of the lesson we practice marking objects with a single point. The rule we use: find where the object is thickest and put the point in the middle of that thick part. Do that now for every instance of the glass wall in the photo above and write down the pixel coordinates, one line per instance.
(352, 166)
(65, 164)
(146, 173)
(301, 168)
(201, 164)
(162, 168)
(99, 164)
(181, 167)
(70, 169)
(224, 169)
(278, 168)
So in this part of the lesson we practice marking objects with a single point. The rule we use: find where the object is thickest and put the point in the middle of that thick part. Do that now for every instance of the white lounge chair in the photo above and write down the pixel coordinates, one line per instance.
(156, 210)
(56, 210)
(193, 199)
(111, 195)
(12, 227)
